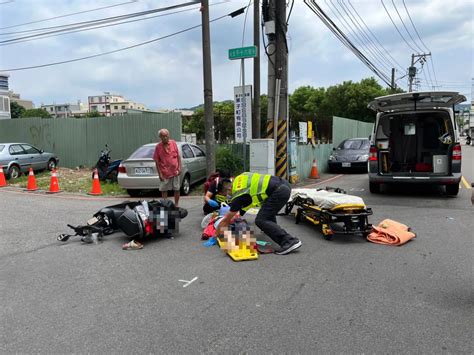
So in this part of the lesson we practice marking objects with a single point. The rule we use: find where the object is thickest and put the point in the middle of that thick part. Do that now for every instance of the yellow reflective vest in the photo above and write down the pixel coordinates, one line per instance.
(252, 184)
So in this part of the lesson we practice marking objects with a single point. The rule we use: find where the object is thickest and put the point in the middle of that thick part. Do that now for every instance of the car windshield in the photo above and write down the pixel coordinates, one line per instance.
(143, 152)
(355, 144)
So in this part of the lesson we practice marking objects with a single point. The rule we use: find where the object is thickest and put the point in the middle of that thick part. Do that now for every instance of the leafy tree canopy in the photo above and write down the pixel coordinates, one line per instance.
(35, 112)
(16, 110)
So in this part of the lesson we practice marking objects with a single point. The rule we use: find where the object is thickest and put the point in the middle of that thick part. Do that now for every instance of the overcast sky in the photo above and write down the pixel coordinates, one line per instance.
(168, 73)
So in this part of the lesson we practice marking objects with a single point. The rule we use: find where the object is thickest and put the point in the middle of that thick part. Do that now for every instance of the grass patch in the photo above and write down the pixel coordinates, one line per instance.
(70, 180)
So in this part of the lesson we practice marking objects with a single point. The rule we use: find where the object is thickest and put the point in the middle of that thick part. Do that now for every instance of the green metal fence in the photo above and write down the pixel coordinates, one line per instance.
(343, 128)
(78, 142)
(306, 154)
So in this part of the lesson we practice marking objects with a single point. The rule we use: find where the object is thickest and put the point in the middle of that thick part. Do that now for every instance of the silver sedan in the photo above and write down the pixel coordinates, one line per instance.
(138, 172)
(17, 158)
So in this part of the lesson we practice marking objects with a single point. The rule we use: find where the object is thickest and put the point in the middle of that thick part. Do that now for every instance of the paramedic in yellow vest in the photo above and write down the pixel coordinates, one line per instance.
(268, 192)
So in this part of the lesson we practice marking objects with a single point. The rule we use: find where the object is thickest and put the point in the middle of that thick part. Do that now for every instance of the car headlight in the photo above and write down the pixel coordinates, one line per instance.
(364, 157)
(331, 157)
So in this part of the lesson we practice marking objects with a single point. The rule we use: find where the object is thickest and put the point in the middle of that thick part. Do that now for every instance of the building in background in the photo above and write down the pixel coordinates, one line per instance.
(66, 110)
(4, 97)
(14, 97)
(113, 104)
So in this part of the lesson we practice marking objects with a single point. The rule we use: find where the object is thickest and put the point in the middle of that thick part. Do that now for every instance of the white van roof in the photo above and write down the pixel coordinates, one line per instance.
(416, 100)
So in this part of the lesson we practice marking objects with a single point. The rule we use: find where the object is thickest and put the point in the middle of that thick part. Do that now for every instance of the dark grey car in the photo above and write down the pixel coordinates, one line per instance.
(17, 158)
(351, 154)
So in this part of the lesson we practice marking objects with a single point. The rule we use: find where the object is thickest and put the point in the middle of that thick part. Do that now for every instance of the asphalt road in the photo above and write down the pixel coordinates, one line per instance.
(345, 295)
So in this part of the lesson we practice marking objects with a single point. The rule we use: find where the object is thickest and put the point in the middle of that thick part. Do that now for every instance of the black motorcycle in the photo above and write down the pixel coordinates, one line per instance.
(468, 140)
(137, 219)
(107, 169)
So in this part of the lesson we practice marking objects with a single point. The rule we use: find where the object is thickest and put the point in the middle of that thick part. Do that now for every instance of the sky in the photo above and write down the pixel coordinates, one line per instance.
(167, 74)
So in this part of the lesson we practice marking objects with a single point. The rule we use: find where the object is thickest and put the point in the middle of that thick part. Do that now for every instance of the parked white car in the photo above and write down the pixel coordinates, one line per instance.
(138, 172)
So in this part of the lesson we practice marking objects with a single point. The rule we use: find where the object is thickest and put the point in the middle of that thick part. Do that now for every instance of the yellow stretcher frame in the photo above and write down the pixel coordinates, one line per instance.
(353, 216)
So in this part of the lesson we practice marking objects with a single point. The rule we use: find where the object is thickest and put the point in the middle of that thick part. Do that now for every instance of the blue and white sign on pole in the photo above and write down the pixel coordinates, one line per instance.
(243, 113)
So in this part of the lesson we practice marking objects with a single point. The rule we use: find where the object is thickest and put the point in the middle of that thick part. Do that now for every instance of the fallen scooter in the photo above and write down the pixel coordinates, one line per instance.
(137, 219)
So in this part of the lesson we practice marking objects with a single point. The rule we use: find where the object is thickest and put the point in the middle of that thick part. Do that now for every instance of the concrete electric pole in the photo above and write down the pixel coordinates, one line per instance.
(256, 123)
(412, 68)
(208, 104)
(277, 124)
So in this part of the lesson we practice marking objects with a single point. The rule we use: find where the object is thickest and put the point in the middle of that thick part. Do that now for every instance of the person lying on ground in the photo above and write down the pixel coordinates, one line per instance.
(268, 192)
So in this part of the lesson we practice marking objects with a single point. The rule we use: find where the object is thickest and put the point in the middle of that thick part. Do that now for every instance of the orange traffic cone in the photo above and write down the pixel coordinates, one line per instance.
(54, 184)
(31, 181)
(314, 171)
(3, 181)
(95, 185)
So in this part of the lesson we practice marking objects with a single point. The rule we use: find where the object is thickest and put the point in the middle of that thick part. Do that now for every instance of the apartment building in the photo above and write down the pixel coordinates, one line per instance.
(66, 110)
(14, 97)
(4, 98)
(113, 104)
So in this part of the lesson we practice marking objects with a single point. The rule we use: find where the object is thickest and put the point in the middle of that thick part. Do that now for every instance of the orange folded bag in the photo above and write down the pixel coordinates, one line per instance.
(390, 232)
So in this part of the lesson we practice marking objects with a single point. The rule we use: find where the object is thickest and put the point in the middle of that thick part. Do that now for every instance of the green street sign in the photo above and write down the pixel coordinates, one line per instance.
(243, 52)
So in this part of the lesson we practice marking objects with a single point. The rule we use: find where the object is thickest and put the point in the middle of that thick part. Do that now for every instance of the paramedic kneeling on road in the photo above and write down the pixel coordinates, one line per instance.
(268, 192)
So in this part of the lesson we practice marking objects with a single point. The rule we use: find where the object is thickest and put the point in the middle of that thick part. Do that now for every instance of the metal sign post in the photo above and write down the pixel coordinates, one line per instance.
(242, 53)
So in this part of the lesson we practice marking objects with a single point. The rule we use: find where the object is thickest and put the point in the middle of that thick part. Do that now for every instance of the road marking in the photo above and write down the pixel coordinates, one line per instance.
(464, 181)
(187, 283)
(324, 181)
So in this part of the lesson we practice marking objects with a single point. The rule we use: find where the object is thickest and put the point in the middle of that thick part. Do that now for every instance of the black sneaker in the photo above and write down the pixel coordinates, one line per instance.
(289, 246)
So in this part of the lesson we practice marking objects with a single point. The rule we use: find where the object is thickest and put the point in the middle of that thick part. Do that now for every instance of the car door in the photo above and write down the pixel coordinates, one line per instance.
(35, 157)
(189, 160)
(19, 157)
(200, 162)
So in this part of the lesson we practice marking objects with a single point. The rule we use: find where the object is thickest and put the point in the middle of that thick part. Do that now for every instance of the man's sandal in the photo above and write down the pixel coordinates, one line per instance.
(132, 246)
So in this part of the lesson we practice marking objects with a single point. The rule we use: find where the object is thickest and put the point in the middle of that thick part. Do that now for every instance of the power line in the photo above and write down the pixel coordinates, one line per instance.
(393, 22)
(416, 31)
(370, 50)
(375, 37)
(72, 14)
(114, 51)
(102, 26)
(345, 40)
(101, 21)
(404, 26)
(423, 43)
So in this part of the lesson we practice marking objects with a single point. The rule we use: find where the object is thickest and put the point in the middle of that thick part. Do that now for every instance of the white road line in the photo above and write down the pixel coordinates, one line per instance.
(187, 283)
(324, 181)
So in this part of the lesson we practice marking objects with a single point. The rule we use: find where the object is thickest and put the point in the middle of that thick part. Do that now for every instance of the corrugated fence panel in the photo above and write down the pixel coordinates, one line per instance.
(343, 128)
(79, 141)
(306, 154)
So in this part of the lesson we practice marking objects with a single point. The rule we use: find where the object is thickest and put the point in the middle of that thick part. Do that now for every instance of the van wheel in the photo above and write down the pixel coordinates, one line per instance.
(186, 185)
(452, 189)
(374, 188)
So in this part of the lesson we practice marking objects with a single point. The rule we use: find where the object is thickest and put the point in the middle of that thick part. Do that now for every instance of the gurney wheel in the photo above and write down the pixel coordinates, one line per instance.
(289, 207)
(327, 237)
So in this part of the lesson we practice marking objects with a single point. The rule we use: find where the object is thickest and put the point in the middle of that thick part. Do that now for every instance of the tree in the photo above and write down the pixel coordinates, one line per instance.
(16, 110)
(35, 112)
(93, 114)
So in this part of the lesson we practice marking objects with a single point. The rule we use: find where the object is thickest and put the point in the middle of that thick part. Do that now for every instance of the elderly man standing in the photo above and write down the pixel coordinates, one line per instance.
(168, 165)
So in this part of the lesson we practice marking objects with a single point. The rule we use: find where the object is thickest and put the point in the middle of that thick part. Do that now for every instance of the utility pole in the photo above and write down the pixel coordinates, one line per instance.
(411, 73)
(256, 123)
(412, 69)
(207, 74)
(392, 82)
(277, 118)
(268, 10)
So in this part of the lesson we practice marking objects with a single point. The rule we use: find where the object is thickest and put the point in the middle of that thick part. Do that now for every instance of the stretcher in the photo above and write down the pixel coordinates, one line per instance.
(332, 209)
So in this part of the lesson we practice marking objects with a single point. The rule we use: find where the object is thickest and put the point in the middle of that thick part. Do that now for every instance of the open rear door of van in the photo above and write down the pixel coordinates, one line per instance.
(416, 101)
